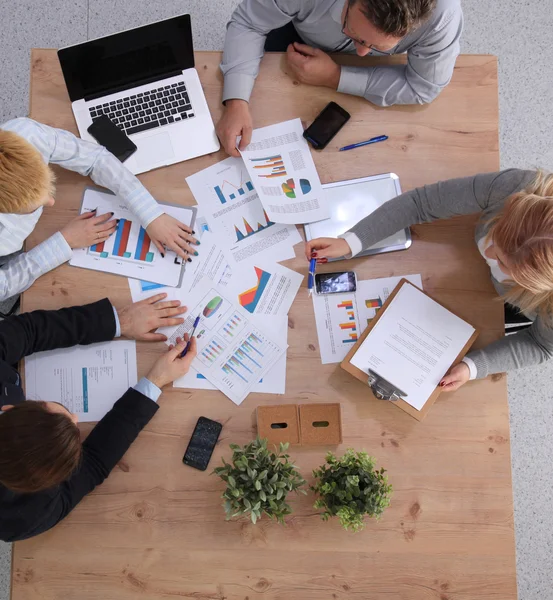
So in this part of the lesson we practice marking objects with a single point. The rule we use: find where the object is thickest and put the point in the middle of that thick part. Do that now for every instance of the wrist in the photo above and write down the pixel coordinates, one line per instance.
(334, 78)
(124, 321)
(157, 381)
(235, 103)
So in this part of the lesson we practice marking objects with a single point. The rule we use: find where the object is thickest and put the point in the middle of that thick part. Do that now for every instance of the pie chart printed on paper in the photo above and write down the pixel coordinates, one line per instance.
(289, 187)
(212, 306)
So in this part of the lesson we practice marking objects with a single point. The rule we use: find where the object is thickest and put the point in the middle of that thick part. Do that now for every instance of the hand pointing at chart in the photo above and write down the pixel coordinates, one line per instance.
(168, 232)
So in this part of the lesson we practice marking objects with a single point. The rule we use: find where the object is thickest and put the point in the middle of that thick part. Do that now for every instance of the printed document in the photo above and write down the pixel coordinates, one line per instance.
(129, 250)
(342, 318)
(234, 352)
(233, 212)
(274, 382)
(87, 380)
(413, 344)
(282, 171)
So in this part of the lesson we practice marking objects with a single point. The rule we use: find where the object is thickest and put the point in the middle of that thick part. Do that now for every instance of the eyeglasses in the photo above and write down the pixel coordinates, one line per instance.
(357, 40)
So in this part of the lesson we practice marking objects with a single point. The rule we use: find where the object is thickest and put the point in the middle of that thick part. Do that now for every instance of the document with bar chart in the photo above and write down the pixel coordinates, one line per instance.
(129, 251)
(234, 213)
(234, 351)
(282, 170)
(342, 318)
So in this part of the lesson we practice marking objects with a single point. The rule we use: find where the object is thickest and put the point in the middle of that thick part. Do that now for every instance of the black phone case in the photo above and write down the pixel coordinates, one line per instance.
(207, 454)
(314, 143)
(98, 128)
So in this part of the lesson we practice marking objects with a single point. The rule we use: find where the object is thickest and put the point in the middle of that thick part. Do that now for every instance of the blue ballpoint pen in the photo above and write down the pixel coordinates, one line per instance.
(380, 138)
(196, 321)
(311, 277)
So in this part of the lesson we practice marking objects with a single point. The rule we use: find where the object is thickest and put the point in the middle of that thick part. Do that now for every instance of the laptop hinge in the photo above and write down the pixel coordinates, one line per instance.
(130, 86)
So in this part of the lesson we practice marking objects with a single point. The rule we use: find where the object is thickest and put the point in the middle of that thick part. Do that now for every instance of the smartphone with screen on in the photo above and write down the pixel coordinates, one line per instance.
(201, 445)
(335, 283)
(329, 122)
(106, 133)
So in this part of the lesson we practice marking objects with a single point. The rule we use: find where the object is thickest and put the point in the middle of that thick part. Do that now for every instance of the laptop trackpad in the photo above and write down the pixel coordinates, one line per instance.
(154, 150)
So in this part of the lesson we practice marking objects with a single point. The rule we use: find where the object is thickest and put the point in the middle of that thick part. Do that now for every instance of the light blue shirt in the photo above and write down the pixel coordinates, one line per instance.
(62, 148)
(144, 386)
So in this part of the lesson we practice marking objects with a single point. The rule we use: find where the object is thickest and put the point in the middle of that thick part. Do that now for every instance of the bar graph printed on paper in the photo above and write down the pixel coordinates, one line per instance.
(269, 167)
(349, 328)
(246, 362)
(212, 351)
(119, 242)
(232, 190)
(233, 326)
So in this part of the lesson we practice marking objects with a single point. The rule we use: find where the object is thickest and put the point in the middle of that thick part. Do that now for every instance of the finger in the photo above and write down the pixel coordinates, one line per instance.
(246, 137)
(176, 351)
(170, 322)
(170, 312)
(167, 304)
(88, 215)
(106, 226)
(160, 247)
(103, 218)
(451, 387)
(191, 354)
(305, 49)
(230, 145)
(185, 227)
(448, 380)
(190, 239)
(6, 407)
(179, 251)
(153, 299)
(100, 237)
(155, 337)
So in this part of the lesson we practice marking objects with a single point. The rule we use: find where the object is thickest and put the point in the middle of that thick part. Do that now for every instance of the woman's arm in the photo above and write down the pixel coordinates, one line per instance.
(529, 347)
(50, 329)
(440, 200)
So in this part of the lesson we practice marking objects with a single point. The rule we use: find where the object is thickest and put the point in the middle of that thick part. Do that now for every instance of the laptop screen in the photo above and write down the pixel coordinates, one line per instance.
(128, 59)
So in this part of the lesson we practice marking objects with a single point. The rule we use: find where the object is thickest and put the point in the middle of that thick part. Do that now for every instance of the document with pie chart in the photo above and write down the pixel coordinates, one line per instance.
(282, 171)
(234, 351)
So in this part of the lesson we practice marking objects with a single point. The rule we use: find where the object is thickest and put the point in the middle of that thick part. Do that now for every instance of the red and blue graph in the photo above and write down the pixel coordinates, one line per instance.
(238, 190)
(248, 230)
(250, 298)
(142, 251)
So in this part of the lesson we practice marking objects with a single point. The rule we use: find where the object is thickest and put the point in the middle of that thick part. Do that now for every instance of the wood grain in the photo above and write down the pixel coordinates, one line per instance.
(155, 529)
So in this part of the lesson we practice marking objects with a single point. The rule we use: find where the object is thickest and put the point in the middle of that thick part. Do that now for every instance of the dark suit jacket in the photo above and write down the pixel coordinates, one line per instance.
(25, 515)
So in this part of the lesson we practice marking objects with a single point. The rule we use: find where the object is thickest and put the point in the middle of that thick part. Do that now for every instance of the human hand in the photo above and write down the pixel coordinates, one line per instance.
(139, 320)
(312, 66)
(170, 366)
(236, 120)
(324, 248)
(168, 232)
(88, 229)
(457, 376)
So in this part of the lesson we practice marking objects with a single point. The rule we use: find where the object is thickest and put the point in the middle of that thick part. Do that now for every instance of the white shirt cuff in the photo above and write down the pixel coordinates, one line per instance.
(149, 389)
(472, 367)
(353, 242)
(117, 323)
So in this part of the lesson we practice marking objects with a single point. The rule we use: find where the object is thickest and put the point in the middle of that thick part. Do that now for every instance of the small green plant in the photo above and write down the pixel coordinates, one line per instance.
(258, 481)
(350, 488)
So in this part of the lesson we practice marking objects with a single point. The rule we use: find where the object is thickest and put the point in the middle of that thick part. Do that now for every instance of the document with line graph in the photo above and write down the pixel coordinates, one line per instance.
(226, 196)
(129, 251)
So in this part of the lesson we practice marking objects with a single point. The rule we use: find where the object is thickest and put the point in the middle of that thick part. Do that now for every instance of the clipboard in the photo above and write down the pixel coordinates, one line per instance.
(378, 384)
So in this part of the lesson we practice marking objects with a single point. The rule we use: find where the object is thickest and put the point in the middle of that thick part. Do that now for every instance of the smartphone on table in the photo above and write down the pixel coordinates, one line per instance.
(106, 133)
(202, 443)
(329, 122)
(335, 283)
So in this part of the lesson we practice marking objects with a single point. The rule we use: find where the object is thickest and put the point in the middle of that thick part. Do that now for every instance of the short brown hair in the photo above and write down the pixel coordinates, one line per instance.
(39, 449)
(24, 176)
(396, 17)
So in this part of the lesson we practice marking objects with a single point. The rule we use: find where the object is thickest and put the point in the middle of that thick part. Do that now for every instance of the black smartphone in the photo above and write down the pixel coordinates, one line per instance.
(329, 122)
(335, 283)
(201, 444)
(106, 133)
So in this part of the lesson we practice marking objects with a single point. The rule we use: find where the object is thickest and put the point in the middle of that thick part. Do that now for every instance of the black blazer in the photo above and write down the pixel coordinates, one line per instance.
(25, 515)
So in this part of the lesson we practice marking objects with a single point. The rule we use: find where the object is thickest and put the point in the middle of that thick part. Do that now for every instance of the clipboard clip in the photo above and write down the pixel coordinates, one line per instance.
(383, 389)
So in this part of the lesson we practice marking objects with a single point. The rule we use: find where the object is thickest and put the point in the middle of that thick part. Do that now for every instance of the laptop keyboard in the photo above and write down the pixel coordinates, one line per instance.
(147, 110)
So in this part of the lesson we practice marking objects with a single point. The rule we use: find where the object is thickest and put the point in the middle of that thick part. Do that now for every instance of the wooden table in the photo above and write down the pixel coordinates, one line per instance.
(156, 529)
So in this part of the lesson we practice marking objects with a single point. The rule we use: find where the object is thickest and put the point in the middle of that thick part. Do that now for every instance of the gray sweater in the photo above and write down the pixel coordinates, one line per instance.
(486, 194)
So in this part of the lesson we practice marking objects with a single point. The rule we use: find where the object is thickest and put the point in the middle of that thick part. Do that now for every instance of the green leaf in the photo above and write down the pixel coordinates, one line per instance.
(253, 517)
(257, 485)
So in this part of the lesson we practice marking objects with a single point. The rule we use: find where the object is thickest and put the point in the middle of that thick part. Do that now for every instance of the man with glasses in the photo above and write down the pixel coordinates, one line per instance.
(427, 30)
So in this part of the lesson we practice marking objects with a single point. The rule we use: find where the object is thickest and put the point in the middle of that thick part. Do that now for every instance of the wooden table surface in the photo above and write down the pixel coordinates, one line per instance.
(156, 529)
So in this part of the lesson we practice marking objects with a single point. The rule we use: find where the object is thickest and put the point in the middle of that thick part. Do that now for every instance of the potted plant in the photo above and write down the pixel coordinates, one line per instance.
(258, 481)
(350, 488)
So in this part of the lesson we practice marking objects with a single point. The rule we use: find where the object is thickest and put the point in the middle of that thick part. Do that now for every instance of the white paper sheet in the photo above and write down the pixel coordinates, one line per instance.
(342, 318)
(233, 352)
(129, 251)
(233, 211)
(87, 380)
(264, 288)
(413, 344)
(274, 382)
(281, 168)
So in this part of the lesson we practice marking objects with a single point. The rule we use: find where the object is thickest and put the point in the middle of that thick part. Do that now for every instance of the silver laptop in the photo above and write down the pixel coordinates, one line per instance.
(144, 80)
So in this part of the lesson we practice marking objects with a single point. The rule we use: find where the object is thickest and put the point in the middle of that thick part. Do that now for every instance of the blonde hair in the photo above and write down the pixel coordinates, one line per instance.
(523, 230)
(25, 179)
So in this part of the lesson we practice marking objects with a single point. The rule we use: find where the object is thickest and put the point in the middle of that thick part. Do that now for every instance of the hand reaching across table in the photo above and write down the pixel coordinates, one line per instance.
(168, 232)
(324, 248)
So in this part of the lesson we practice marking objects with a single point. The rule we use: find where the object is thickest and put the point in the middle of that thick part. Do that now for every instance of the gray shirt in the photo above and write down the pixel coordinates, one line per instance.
(486, 194)
(431, 49)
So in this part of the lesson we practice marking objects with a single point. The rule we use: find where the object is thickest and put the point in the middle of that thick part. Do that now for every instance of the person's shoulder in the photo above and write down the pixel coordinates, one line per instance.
(34, 132)
(20, 125)
(445, 12)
